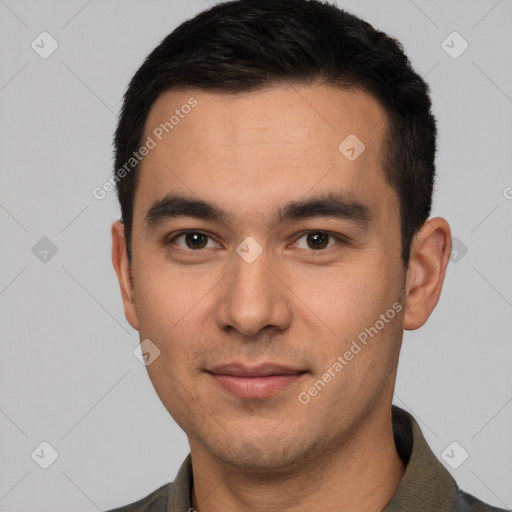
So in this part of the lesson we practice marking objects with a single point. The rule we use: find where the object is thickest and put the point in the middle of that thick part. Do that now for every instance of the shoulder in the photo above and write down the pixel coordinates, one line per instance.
(471, 504)
(154, 502)
(426, 484)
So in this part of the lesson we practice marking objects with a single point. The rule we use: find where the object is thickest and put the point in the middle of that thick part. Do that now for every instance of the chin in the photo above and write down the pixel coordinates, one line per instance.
(268, 456)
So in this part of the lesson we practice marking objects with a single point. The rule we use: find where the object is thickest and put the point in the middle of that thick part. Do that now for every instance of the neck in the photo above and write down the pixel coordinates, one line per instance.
(362, 474)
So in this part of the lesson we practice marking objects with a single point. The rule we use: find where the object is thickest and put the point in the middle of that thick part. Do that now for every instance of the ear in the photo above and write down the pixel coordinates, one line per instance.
(124, 274)
(430, 253)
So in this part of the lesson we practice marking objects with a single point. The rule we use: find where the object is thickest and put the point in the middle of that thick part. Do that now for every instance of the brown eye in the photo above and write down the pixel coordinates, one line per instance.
(193, 240)
(316, 240)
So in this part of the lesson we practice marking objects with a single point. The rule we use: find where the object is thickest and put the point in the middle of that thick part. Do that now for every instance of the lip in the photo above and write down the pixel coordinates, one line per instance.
(255, 382)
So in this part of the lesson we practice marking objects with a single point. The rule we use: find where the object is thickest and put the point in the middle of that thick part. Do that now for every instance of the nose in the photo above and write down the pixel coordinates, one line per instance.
(254, 296)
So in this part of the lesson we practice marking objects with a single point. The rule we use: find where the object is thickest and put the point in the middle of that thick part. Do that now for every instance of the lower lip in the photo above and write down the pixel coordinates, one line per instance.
(256, 387)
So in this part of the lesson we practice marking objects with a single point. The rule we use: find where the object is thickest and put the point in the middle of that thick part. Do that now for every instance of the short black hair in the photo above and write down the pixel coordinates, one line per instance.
(245, 45)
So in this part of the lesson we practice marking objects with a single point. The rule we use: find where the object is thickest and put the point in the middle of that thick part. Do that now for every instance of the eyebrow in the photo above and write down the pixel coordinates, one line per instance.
(333, 205)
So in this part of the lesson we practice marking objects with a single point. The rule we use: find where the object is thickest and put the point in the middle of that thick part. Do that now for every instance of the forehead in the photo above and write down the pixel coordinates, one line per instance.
(265, 146)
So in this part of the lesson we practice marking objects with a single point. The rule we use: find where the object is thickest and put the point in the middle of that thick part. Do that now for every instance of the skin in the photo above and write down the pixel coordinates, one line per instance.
(294, 305)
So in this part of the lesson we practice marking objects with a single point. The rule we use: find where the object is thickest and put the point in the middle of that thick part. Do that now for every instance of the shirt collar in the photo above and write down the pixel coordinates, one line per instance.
(426, 484)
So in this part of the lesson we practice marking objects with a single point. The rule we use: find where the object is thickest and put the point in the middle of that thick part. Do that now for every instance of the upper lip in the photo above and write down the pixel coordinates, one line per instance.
(262, 370)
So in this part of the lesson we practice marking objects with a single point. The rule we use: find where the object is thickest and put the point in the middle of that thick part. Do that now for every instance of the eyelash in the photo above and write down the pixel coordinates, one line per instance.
(339, 238)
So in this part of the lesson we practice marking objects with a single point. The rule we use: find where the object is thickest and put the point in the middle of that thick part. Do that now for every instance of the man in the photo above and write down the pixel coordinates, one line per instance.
(275, 167)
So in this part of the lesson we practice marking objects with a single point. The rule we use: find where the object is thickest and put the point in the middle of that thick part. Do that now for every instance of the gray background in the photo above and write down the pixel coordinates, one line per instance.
(68, 375)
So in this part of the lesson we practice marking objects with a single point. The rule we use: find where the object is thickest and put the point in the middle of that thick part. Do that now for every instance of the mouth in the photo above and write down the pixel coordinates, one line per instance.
(255, 382)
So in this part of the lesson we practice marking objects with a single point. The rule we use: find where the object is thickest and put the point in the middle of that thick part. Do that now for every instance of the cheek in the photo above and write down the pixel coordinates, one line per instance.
(173, 390)
(173, 310)
(349, 296)
(166, 297)
(351, 305)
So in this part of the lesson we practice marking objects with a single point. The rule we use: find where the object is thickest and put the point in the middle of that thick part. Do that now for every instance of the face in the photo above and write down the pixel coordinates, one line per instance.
(276, 306)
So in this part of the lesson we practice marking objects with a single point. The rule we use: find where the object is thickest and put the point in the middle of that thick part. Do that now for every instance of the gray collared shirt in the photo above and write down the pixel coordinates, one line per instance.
(425, 487)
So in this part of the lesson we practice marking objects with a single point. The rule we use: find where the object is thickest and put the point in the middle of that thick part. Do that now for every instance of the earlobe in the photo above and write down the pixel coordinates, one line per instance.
(124, 274)
(430, 253)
